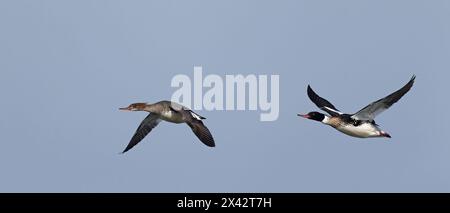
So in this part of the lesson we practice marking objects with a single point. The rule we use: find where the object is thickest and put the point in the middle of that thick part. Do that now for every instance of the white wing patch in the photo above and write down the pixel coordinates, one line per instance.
(196, 116)
(328, 108)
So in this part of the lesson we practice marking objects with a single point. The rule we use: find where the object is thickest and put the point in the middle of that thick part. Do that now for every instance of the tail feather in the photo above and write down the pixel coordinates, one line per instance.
(385, 134)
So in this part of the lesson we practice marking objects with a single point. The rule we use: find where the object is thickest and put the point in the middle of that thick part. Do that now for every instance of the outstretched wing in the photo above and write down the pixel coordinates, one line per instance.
(150, 122)
(372, 110)
(202, 132)
(322, 103)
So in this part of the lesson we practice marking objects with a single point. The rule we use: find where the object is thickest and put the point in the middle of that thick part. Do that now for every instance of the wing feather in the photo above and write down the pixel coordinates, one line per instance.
(146, 126)
(375, 108)
(202, 132)
(322, 103)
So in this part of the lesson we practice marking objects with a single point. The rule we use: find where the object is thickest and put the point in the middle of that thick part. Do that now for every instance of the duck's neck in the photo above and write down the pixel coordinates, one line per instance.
(150, 108)
(326, 120)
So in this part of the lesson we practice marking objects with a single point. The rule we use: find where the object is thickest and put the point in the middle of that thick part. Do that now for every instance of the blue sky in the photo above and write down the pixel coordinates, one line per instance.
(67, 66)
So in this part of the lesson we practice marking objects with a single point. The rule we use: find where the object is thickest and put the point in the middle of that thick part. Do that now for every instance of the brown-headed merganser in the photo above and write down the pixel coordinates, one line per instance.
(360, 124)
(171, 112)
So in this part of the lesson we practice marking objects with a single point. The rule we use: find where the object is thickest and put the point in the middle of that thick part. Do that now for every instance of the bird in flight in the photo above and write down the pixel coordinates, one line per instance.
(360, 124)
(170, 112)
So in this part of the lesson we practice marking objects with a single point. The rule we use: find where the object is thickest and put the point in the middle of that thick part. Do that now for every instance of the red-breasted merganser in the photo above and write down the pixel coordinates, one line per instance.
(360, 124)
(171, 112)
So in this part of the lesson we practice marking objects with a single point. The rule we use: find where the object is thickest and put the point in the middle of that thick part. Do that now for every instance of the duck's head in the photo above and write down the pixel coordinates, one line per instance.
(135, 107)
(317, 116)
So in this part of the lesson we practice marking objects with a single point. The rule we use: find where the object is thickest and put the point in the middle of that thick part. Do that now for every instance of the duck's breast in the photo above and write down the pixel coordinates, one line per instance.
(171, 116)
(365, 130)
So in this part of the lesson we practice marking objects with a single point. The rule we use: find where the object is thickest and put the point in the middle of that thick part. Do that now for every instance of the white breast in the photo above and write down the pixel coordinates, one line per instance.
(364, 130)
(172, 117)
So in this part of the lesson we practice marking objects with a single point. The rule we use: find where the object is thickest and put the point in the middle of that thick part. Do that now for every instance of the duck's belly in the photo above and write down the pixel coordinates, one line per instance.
(365, 130)
(172, 117)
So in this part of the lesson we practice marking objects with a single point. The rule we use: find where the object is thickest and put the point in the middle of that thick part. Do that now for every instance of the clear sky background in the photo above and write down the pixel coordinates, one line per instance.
(67, 66)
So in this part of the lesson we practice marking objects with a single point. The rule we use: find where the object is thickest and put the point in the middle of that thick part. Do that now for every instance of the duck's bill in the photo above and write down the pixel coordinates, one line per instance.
(125, 109)
(304, 116)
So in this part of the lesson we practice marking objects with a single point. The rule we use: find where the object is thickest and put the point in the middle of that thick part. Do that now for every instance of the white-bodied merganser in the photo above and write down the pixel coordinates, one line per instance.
(360, 124)
(171, 112)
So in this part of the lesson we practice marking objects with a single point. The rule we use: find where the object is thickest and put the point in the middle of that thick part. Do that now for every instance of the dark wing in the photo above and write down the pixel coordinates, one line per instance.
(372, 110)
(150, 122)
(201, 132)
(322, 103)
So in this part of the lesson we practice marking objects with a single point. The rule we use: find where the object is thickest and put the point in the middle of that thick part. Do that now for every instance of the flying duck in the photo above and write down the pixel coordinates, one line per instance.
(360, 124)
(171, 112)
